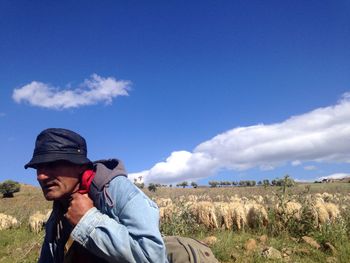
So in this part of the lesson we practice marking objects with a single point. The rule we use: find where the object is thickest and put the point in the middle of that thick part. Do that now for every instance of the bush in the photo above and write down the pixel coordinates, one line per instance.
(194, 184)
(183, 184)
(181, 223)
(152, 187)
(8, 187)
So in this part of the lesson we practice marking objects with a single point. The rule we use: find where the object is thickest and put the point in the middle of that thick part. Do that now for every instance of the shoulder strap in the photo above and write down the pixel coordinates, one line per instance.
(106, 170)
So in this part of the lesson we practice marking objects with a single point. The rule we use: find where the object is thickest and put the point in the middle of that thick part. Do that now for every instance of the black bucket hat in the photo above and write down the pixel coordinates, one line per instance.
(56, 144)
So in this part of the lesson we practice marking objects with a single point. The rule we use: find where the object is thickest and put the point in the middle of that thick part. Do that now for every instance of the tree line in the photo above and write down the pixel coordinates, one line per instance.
(286, 181)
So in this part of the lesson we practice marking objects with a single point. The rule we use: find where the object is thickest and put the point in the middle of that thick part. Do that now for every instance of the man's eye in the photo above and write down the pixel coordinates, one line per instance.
(46, 166)
(50, 166)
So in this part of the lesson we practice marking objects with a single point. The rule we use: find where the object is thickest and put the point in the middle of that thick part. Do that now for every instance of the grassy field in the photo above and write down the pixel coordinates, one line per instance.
(21, 245)
(332, 188)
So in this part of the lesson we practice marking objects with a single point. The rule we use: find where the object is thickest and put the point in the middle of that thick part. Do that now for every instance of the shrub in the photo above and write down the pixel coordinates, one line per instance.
(152, 187)
(183, 184)
(194, 184)
(8, 187)
(213, 184)
(182, 223)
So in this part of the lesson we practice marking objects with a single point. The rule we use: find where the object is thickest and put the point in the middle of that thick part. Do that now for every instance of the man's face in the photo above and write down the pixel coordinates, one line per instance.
(59, 179)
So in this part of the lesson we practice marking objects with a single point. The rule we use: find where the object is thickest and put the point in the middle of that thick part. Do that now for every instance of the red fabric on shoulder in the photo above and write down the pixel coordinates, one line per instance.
(86, 180)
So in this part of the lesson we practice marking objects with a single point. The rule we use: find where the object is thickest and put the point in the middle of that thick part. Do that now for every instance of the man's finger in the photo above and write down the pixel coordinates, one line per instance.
(74, 195)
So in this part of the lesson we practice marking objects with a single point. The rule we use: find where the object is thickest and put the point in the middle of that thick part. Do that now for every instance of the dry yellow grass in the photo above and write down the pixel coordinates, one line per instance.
(25, 203)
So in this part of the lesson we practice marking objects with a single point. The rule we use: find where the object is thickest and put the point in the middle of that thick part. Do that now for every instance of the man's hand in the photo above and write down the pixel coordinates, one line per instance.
(78, 206)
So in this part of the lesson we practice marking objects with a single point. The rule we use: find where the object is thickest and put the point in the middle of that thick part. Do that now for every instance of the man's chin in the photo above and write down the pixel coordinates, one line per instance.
(51, 195)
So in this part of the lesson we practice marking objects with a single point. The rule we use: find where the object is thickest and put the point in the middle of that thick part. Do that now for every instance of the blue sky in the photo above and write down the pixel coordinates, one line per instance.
(180, 90)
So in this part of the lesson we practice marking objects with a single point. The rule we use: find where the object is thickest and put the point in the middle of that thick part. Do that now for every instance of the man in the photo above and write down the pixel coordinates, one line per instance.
(90, 223)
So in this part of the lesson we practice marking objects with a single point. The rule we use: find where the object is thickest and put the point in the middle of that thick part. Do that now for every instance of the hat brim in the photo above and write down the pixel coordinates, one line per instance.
(52, 157)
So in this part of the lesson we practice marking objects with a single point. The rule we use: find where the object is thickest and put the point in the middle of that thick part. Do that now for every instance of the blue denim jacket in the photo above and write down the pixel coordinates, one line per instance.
(128, 231)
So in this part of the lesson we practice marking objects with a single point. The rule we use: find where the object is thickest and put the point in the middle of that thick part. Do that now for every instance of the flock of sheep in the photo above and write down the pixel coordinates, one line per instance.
(240, 212)
(7, 221)
(36, 221)
(228, 212)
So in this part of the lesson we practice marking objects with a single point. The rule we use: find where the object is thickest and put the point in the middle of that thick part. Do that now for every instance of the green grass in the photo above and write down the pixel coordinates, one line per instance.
(230, 248)
(20, 245)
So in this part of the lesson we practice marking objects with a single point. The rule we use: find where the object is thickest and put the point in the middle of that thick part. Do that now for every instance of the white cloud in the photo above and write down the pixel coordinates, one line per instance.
(296, 163)
(181, 165)
(310, 167)
(92, 91)
(321, 135)
(335, 176)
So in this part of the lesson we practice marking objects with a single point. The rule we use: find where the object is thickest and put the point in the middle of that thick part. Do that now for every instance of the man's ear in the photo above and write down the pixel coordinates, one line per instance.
(83, 168)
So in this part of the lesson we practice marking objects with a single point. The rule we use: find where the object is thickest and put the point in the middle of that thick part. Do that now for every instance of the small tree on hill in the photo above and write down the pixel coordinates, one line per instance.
(226, 183)
(266, 182)
(194, 184)
(183, 184)
(242, 183)
(152, 187)
(213, 183)
(8, 187)
(250, 183)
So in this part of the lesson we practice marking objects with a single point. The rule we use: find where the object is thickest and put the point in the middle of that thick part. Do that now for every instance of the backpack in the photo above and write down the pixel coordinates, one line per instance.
(185, 249)
(179, 249)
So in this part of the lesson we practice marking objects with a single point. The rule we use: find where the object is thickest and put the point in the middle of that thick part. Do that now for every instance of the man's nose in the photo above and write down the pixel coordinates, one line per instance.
(42, 175)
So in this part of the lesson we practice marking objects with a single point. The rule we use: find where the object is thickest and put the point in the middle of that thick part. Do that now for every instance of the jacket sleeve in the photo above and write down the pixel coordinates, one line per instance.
(130, 230)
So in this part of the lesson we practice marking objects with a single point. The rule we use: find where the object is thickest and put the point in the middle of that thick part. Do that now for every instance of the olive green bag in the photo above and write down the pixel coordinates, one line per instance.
(187, 250)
